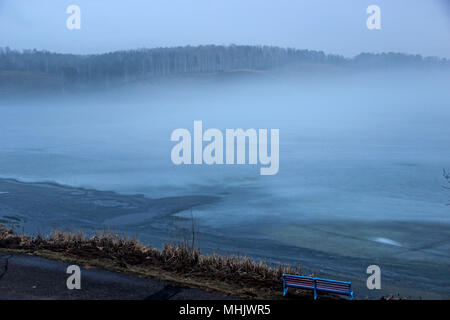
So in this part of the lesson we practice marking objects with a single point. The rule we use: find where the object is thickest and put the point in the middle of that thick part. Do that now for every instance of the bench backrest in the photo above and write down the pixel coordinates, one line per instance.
(333, 286)
(298, 281)
(319, 284)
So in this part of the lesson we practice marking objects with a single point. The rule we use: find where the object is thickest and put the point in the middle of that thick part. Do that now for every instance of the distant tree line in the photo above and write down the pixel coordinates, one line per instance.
(160, 62)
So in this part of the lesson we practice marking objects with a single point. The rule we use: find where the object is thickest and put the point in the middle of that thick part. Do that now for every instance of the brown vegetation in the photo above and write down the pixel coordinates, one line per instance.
(182, 263)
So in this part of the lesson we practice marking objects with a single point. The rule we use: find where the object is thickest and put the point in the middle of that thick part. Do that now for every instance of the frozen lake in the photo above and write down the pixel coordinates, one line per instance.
(361, 160)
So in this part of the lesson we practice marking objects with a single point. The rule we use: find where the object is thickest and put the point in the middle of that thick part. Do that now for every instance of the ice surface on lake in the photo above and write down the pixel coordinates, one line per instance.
(387, 241)
(362, 150)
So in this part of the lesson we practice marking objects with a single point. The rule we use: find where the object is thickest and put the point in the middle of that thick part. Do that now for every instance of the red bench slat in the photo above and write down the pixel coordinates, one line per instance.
(332, 288)
(309, 285)
(332, 285)
(300, 280)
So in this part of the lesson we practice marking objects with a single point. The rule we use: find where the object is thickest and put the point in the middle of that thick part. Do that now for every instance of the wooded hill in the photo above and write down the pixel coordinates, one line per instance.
(125, 66)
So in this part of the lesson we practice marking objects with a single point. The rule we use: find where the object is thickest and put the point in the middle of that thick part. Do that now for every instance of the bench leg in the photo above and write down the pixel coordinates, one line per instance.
(315, 294)
(285, 290)
(351, 295)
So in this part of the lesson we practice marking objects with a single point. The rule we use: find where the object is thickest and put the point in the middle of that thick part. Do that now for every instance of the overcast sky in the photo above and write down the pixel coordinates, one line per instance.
(334, 26)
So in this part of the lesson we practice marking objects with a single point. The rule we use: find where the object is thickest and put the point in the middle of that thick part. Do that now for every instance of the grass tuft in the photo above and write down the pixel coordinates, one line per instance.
(249, 278)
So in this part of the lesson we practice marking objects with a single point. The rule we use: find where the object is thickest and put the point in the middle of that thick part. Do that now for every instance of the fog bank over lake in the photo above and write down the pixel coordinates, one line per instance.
(365, 148)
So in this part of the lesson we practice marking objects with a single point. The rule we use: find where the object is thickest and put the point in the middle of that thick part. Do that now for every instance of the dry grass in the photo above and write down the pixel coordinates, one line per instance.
(239, 276)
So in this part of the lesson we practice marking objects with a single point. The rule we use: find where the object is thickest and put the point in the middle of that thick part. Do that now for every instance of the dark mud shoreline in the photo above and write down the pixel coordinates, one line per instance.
(42, 207)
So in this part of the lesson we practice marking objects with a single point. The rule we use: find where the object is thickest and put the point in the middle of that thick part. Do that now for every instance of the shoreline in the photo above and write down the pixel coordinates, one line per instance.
(43, 207)
(182, 264)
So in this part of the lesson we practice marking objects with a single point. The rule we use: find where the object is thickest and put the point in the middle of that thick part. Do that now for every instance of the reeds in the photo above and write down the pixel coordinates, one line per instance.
(181, 258)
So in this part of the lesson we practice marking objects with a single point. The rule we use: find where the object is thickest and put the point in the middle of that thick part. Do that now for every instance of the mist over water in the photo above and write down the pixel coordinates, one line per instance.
(355, 148)
(360, 94)
(370, 147)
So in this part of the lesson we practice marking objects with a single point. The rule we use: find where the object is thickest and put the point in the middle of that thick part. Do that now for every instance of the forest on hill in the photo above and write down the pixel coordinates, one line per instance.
(130, 65)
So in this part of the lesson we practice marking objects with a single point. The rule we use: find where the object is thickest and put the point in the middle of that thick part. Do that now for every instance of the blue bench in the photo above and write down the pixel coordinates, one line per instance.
(317, 285)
